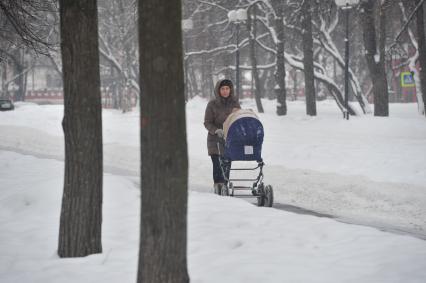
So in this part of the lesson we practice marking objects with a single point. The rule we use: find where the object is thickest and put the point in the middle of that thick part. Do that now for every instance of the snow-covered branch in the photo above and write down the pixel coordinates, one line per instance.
(327, 43)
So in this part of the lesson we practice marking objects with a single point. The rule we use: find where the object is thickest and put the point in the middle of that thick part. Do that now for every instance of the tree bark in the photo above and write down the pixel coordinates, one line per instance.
(81, 214)
(280, 68)
(376, 62)
(422, 51)
(308, 59)
(20, 94)
(164, 160)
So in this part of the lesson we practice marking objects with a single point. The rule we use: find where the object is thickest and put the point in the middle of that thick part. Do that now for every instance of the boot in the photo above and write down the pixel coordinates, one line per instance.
(218, 188)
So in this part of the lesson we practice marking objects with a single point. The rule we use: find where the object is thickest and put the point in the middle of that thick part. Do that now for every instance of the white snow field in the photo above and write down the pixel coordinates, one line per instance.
(367, 170)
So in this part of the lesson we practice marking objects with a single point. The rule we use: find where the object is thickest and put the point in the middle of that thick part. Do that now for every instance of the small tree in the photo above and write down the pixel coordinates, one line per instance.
(81, 214)
(164, 160)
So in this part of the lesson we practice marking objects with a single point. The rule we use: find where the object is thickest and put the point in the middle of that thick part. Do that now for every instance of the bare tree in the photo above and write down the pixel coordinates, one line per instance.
(280, 67)
(164, 160)
(24, 22)
(81, 214)
(325, 23)
(308, 59)
(118, 49)
(24, 30)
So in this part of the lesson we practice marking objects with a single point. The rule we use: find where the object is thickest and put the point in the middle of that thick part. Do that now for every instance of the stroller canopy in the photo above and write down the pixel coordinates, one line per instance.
(243, 136)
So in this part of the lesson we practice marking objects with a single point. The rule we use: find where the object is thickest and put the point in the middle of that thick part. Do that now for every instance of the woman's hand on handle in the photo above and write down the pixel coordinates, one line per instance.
(219, 133)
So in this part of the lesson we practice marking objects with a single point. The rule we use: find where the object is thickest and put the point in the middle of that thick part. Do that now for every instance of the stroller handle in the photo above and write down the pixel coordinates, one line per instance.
(220, 142)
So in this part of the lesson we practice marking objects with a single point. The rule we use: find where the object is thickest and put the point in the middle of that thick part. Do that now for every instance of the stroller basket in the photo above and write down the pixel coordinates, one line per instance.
(243, 136)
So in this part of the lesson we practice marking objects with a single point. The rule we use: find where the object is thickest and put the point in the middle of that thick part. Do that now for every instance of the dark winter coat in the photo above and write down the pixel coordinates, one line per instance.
(217, 111)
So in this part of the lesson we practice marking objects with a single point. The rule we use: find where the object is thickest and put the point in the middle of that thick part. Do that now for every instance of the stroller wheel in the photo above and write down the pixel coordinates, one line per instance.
(260, 201)
(269, 196)
(260, 195)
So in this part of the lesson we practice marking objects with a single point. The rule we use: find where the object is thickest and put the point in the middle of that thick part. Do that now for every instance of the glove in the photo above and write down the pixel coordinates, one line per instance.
(219, 133)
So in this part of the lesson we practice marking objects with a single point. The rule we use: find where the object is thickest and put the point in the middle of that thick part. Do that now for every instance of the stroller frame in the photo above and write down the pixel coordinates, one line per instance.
(264, 194)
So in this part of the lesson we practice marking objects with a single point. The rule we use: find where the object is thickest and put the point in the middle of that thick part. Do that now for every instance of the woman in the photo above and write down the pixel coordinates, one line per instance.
(217, 111)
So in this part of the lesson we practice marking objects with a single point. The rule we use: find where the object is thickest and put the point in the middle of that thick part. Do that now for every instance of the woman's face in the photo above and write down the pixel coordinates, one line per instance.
(225, 91)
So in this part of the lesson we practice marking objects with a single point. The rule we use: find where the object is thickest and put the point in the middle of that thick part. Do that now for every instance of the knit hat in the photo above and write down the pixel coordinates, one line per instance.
(226, 83)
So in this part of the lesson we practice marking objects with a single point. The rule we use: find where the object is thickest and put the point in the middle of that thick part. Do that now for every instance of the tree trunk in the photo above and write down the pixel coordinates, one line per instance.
(422, 51)
(251, 23)
(164, 160)
(376, 62)
(18, 67)
(81, 214)
(3, 92)
(308, 59)
(19, 95)
(280, 69)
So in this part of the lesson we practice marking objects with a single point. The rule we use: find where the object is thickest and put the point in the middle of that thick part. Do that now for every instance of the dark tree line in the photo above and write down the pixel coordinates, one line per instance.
(275, 55)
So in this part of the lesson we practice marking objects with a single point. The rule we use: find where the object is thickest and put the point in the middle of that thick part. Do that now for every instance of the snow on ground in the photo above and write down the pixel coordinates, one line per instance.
(367, 170)
(229, 240)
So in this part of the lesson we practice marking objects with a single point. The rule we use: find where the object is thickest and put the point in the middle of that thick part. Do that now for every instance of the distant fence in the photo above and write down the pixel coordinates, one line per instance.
(57, 97)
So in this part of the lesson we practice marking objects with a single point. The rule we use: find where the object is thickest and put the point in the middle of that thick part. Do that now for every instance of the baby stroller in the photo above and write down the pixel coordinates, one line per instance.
(243, 138)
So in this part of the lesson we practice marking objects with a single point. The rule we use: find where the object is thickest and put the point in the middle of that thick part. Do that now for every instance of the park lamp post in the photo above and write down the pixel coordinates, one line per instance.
(346, 6)
(187, 25)
(237, 17)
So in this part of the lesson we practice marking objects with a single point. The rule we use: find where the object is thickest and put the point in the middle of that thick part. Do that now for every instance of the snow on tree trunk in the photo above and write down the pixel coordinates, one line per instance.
(164, 160)
(81, 214)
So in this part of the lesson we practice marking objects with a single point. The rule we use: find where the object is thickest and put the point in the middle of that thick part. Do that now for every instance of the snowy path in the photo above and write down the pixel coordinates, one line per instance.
(228, 240)
(350, 199)
(367, 170)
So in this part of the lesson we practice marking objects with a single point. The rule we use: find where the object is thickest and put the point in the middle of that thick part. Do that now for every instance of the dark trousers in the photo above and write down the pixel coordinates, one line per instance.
(217, 171)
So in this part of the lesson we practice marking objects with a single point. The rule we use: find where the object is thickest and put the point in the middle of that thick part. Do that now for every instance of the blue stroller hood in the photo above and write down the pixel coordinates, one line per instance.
(243, 136)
